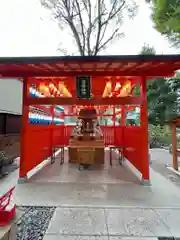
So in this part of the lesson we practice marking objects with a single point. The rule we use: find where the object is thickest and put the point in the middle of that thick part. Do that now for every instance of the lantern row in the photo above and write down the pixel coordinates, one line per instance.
(35, 93)
(36, 118)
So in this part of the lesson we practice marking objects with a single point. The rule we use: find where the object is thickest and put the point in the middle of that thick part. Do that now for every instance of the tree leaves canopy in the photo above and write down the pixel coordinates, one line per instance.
(166, 16)
(147, 50)
(162, 95)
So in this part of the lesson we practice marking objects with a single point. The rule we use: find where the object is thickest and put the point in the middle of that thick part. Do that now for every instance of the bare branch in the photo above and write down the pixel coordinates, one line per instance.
(82, 26)
(110, 17)
(94, 24)
(70, 21)
(99, 25)
(113, 12)
(90, 27)
(107, 41)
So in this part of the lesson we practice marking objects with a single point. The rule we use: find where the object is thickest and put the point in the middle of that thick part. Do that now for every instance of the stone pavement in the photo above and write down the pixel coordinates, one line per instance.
(101, 204)
(115, 223)
(115, 186)
(61, 237)
(160, 159)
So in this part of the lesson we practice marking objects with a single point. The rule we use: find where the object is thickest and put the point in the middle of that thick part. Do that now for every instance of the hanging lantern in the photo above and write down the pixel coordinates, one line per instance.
(63, 91)
(107, 89)
(44, 89)
(51, 88)
(126, 89)
(60, 87)
(55, 93)
(66, 93)
(117, 89)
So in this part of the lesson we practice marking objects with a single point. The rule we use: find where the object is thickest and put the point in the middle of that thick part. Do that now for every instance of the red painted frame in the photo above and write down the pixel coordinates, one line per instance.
(37, 141)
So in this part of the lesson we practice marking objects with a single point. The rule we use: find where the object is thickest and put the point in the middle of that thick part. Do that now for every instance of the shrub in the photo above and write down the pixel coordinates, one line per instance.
(159, 136)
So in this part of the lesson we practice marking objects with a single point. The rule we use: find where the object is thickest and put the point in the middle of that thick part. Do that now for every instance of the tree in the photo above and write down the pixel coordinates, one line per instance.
(162, 101)
(93, 24)
(166, 16)
(147, 50)
(162, 95)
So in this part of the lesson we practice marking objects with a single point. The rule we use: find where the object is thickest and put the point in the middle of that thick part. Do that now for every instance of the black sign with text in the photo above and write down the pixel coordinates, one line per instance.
(83, 87)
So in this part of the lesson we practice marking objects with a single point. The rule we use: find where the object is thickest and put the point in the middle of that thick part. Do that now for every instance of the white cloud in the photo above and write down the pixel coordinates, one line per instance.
(26, 30)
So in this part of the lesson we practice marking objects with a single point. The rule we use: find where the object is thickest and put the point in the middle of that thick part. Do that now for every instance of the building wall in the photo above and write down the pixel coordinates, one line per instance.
(11, 96)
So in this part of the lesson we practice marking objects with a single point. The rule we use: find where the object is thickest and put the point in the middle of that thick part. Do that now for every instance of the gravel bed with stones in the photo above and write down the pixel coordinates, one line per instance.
(34, 222)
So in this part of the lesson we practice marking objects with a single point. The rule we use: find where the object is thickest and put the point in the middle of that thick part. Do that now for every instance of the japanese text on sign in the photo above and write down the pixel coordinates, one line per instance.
(83, 87)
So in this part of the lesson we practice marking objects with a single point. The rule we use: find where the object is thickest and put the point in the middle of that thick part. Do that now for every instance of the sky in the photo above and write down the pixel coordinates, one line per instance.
(26, 29)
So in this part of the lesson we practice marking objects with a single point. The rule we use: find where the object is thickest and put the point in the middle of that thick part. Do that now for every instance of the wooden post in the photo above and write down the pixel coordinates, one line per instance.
(144, 138)
(23, 138)
(174, 147)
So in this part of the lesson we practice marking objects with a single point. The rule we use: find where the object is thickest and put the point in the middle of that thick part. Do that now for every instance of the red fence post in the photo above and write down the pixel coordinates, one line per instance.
(123, 116)
(24, 128)
(144, 137)
(123, 123)
(114, 123)
(52, 125)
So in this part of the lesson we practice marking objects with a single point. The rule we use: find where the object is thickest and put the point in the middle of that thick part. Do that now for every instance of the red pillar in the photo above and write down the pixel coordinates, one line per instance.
(144, 138)
(123, 123)
(52, 130)
(23, 138)
(123, 115)
(114, 123)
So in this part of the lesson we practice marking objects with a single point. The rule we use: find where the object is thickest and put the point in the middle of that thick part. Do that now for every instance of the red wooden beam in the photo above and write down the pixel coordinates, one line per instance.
(94, 101)
(75, 115)
(161, 72)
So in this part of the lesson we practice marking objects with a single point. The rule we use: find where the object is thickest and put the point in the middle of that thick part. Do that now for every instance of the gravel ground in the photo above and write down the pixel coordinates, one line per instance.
(34, 222)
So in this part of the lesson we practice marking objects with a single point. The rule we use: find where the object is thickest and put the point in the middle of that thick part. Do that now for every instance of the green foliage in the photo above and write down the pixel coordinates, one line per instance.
(166, 16)
(159, 136)
(162, 95)
(147, 50)
(162, 101)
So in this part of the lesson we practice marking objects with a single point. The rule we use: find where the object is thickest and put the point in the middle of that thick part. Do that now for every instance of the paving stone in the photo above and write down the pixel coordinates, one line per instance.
(171, 217)
(71, 237)
(132, 238)
(78, 221)
(135, 222)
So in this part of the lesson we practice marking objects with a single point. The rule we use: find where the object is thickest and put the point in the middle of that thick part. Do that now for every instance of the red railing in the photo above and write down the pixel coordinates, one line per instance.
(41, 139)
(132, 140)
(6, 215)
(38, 145)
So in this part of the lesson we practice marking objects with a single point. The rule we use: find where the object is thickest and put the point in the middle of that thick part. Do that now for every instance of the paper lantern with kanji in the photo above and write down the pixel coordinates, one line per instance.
(107, 89)
(126, 89)
(44, 89)
(117, 89)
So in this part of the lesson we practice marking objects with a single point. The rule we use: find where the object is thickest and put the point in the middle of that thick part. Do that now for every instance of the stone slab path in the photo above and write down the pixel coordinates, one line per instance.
(100, 205)
(113, 224)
